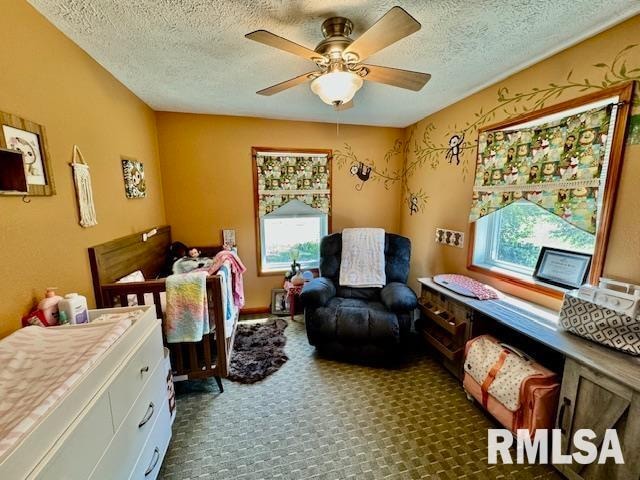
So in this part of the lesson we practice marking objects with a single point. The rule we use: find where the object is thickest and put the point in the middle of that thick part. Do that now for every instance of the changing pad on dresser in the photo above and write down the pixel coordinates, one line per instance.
(40, 365)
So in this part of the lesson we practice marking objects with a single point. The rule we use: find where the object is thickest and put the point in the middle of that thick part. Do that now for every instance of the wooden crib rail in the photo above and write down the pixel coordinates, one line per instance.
(193, 359)
(114, 293)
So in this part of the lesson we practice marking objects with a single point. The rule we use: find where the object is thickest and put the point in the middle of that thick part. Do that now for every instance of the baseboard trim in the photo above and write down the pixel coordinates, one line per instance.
(254, 310)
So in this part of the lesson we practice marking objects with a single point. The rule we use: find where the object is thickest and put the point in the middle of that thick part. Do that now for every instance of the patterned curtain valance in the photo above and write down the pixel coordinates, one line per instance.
(283, 176)
(556, 165)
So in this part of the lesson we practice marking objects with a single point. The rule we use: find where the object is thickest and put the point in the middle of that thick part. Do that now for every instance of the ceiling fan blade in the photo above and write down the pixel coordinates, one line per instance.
(397, 77)
(344, 106)
(287, 84)
(393, 26)
(275, 41)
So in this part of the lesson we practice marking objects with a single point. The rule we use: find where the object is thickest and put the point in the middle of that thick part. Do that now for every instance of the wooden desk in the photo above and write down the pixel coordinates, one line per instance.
(541, 325)
(600, 386)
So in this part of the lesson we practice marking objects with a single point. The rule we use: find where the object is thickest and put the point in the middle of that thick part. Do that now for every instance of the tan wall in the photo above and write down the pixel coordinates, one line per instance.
(206, 166)
(450, 193)
(208, 180)
(47, 79)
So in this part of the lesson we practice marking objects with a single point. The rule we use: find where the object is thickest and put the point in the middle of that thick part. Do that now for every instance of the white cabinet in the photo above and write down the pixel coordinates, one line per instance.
(113, 423)
(135, 375)
(128, 442)
(87, 439)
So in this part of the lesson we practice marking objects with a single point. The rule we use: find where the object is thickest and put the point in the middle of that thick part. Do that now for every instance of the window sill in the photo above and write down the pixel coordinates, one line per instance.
(272, 273)
(519, 280)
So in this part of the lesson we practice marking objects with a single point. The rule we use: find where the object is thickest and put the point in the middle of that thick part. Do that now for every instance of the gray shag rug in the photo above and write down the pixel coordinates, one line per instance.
(258, 350)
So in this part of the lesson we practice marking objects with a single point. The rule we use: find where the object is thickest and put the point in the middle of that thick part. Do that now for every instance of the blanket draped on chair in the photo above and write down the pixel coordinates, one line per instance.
(363, 262)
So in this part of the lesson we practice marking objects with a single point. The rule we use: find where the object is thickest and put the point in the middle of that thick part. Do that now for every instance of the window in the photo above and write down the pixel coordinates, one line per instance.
(511, 228)
(290, 233)
(511, 238)
(293, 207)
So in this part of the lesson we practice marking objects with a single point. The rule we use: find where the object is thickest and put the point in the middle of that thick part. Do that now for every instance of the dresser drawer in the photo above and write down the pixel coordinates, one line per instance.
(129, 383)
(120, 458)
(82, 446)
(150, 460)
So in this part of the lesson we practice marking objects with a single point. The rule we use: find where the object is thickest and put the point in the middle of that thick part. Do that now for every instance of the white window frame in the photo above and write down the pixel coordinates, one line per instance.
(485, 256)
(324, 230)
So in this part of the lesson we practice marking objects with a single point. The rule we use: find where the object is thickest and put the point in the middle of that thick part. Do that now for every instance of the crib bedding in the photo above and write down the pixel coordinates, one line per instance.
(229, 309)
(40, 365)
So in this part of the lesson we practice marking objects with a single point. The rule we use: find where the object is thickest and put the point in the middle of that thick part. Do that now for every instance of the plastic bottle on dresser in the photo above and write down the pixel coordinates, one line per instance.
(49, 306)
(74, 308)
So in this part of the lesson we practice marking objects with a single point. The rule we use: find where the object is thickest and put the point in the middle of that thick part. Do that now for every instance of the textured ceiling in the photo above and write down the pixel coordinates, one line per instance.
(191, 55)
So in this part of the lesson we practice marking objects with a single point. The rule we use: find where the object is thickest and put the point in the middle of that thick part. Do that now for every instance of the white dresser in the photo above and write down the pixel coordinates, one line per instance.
(114, 423)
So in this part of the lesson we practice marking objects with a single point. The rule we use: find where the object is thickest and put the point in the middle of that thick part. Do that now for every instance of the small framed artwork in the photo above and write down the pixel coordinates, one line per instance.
(134, 182)
(28, 138)
(279, 302)
(229, 238)
(562, 268)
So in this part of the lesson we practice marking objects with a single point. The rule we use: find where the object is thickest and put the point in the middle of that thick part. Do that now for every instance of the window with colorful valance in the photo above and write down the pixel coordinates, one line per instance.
(556, 165)
(284, 176)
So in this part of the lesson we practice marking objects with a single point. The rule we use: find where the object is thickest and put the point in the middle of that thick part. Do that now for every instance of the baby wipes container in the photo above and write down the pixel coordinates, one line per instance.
(74, 307)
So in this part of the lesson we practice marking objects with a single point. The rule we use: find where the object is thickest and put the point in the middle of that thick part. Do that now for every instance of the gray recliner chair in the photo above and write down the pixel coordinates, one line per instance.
(360, 322)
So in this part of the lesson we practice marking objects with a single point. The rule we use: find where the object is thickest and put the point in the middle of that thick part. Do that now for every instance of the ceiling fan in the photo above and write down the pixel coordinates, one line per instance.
(340, 72)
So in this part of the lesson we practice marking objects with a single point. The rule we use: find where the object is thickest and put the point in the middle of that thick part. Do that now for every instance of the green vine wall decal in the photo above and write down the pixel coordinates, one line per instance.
(381, 172)
(427, 152)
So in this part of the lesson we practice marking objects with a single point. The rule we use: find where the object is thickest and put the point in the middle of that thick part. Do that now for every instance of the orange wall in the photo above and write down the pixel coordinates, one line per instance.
(46, 78)
(208, 180)
(206, 167)
(450, 192)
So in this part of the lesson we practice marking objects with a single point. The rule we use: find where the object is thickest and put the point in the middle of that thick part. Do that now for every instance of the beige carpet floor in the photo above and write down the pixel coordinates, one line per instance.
(321, 419)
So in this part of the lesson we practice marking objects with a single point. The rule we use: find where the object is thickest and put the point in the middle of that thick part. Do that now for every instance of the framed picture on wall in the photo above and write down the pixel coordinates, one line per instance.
(562, 268)
(29, 139)
(229, 238)
(134, 182)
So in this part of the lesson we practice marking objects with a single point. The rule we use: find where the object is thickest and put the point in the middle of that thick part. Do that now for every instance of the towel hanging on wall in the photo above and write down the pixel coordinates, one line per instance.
(84, 193)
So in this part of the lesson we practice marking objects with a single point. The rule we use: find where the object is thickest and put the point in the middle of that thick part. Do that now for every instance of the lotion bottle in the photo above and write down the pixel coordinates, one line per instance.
(49, 306)
(75, 309)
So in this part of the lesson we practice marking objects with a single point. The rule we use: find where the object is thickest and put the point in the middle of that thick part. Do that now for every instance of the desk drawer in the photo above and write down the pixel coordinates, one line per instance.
(120, 458)
(150, 459)
(83, 445)
(130, 382)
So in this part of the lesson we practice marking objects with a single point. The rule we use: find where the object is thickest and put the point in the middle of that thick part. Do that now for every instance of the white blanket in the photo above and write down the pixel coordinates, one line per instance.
(362, 262)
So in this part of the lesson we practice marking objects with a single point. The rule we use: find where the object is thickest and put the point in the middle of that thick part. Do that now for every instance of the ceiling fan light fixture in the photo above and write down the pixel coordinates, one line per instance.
(336, 88)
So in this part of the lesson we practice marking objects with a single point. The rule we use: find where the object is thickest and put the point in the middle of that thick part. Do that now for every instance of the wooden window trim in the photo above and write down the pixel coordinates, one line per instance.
(624, 92)
(254, 153)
